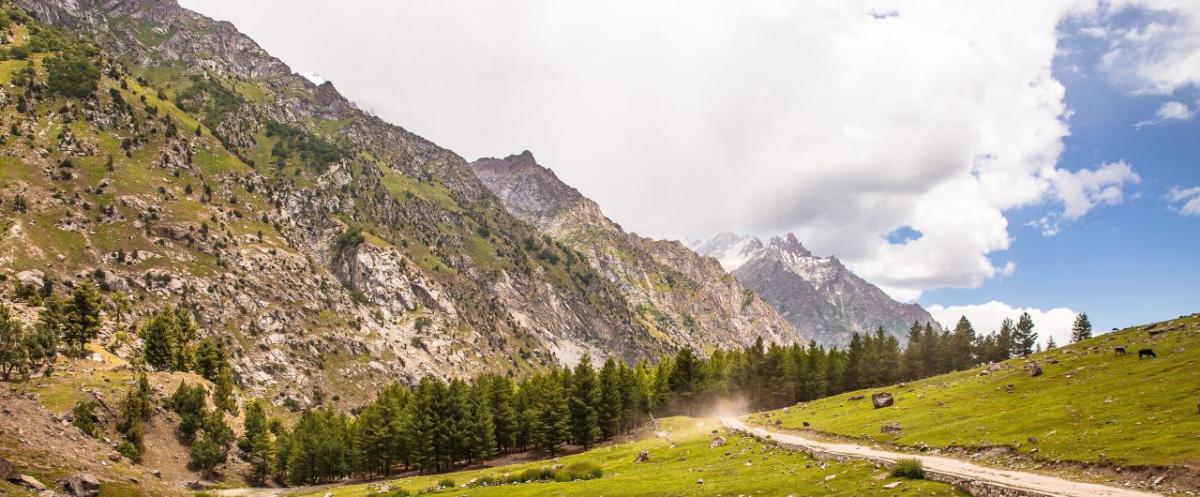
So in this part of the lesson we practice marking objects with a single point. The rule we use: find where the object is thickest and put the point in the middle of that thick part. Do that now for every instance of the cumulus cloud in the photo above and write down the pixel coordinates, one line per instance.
(1185, 201)
(1170, 111)
(1157, 56)
(986, 318)
(839, 120)
(1082, 190)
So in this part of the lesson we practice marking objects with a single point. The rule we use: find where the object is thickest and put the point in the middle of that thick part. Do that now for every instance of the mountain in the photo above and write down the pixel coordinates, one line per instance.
(679, 296)
(330, 251)
(817, 295)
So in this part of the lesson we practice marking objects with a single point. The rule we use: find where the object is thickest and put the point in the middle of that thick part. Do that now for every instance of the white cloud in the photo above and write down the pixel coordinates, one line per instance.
(1185, 201)
(986, 318)
(839, 120)
(1159, 55)
(1170, 111)
(1083, 190)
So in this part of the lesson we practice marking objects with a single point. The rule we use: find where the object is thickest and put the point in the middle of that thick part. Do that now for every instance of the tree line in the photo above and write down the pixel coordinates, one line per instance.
(436, 425)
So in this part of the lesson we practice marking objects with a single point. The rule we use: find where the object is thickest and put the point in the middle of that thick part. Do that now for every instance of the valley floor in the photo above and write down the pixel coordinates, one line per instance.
(683, 462)
(1009, 479)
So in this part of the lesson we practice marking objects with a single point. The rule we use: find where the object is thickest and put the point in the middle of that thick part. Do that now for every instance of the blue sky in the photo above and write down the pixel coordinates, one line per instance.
(1124, 264)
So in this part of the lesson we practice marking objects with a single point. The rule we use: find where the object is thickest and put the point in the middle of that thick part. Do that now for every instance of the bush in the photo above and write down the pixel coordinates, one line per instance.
(83, 417)
(579, 471)
(445, 483)
(129, 450)
(909, 468)
(72, 75)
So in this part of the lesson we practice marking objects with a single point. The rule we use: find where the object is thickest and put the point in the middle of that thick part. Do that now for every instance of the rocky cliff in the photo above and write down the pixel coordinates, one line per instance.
(673, 292)
(817, 295)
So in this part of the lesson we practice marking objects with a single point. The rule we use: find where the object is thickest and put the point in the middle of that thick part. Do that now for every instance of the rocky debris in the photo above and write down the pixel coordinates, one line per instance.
(1032, 368)
(857, 397)
(717, 442)
(32, 278)
(882, 399)
(892, 485)
(81, 485)
(891, 427)
(642, 456)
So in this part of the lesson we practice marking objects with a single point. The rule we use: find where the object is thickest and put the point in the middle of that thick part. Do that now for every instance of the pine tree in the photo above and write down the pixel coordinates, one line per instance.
(854, 359)
(610, 407)
(159, 338)
(1050, 345)
(223, 390)
(962, 345)
(1005, 341)
(913, 364)
(555, 420)
(482, 437)
(585, 396)
(1024, 338)
(209, 359)
(13, 353)
(504, 412)
(684, 376)
(1081, 329)
(82, 318)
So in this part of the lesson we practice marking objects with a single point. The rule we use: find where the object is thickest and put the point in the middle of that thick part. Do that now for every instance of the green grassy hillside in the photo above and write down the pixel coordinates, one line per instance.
(1089, 405)
(743, 466)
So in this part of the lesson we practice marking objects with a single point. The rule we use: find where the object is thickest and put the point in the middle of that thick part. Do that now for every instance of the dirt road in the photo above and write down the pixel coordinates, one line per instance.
(1049, 485)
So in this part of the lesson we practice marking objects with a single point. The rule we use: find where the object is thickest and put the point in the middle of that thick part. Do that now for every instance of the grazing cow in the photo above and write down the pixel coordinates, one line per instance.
(1147, 353)
(1119, 350)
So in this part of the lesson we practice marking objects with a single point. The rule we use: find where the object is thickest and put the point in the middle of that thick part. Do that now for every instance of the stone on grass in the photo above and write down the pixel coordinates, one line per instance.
(717, 442)
(882, 399)
(642, 456)
(892, 427)
(30, 482)
(1033, 369)
(81, 485)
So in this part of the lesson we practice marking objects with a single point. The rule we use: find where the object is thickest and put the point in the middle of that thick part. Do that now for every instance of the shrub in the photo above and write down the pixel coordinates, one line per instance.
(580, 471)
(445, 483)
(83, 417)
(129, 450)
(909, 468)
(72, 75)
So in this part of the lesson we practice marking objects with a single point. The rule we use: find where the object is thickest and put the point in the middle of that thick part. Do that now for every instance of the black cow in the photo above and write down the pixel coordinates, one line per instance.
(1147, 353)
(1119, 350)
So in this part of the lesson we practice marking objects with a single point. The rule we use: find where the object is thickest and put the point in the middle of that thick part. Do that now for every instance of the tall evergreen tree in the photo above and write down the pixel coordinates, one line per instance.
(1024, 338)
(83, 317)
(610, 407)
(962, 345)
(504, 412)
(585, 396)
(555, 421)
(1081, 329)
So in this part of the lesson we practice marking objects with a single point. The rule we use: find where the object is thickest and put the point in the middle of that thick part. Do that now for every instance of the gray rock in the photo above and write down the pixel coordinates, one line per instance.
(642, 456)
(1033, 369)
(882, 399)
(7, 471)
(892, 427)
(81, 485)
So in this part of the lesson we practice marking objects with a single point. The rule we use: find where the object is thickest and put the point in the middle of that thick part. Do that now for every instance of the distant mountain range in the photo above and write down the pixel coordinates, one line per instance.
(677, 292)
(679, 296)
(817, 295)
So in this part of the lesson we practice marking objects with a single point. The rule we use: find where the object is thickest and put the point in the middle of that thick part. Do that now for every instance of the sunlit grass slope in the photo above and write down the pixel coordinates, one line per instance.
(750, 468)
(1089, 404)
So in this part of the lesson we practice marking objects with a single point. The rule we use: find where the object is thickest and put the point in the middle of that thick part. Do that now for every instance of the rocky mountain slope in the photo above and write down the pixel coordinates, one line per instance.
(330, 250)
(817, 295)
(679, 296)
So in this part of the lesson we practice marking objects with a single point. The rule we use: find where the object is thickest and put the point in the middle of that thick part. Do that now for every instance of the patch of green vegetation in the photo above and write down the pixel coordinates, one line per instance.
(683, 464)
(404, 188)
(119, 490)
(1088, 402)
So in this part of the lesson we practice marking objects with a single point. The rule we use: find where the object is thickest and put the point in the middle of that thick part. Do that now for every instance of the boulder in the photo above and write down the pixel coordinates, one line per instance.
(30, 482)
(856, 397)
(717, 442)
(882, 399)
(7, 471)
(892, 427)
(642, 456)
(1033, 369)
(81, 485)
